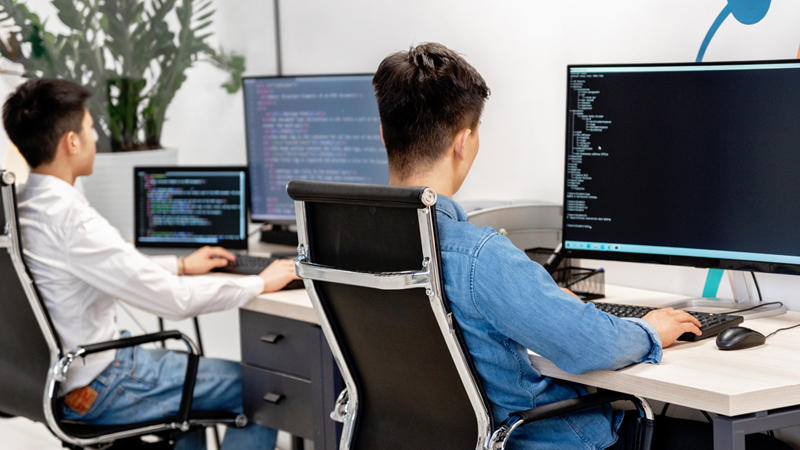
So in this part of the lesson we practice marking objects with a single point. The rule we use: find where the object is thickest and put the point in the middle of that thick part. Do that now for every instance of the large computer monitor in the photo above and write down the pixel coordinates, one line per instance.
(322, 128)
(189, 207)
(685, 164)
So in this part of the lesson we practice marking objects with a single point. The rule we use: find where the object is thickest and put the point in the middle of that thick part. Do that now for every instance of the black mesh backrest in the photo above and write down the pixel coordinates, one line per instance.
(410, 393)
(24, 353)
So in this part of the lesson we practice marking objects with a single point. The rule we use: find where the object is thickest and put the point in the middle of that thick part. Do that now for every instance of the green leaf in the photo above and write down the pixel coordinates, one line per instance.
(68, 14)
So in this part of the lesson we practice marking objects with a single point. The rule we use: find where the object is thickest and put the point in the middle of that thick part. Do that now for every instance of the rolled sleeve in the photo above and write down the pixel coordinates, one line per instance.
(654, 357)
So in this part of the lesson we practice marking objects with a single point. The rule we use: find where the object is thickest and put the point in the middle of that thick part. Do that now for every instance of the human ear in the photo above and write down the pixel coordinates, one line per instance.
(460, 143)
(382, 140)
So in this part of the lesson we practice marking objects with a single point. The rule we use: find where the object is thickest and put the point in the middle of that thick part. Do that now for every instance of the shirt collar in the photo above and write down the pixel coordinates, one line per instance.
(450, 208)
(38, 181)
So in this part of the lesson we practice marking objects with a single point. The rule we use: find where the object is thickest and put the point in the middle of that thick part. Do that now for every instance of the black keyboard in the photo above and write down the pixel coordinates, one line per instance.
(254, 265)
(711, 323)
(247, 265)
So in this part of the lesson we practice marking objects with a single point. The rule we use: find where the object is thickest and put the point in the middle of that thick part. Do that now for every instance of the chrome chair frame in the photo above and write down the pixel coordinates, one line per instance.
(59, 363)
(427, 277)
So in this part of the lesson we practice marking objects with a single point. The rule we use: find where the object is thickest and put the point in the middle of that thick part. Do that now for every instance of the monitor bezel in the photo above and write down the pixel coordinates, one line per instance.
(233, 245)
(673, 260)
(282, 220)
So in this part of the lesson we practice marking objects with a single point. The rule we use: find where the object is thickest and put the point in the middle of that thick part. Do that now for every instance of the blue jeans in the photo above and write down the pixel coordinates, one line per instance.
(143, 384)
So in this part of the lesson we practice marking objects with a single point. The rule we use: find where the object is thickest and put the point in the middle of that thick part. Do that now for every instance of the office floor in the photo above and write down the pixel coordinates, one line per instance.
(23, 434)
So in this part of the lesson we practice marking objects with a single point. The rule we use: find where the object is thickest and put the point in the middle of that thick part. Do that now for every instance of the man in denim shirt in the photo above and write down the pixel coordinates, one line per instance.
(430, 101)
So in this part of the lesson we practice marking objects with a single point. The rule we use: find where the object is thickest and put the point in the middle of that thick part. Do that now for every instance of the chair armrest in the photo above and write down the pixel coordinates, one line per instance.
(132, 342)
(517, 419)
(569, 406)
(61, 368)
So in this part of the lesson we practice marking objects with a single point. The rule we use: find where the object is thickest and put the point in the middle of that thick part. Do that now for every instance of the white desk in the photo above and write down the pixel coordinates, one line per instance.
(743, 387)
(698, 375)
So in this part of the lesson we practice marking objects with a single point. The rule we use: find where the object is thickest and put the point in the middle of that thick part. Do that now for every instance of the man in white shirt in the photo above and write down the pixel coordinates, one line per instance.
(82, 265)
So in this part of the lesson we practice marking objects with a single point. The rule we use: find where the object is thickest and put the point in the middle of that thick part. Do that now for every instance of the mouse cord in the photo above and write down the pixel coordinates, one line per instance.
(781, 329)
(755, 280)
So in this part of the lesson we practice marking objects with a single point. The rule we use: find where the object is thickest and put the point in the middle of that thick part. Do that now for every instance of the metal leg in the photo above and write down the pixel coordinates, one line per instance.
(725, 436)
(298, 443)
(200, 352)
(161, 328)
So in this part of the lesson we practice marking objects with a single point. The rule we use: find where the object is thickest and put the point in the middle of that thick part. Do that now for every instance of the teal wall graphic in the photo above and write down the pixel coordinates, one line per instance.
(747, 12)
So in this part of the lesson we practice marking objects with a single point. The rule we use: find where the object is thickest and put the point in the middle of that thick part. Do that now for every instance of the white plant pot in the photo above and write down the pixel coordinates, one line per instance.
(109, 188)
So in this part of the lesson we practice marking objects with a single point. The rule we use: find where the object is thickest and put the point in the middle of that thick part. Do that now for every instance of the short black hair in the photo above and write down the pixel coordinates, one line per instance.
(425, 97)
(38, 114)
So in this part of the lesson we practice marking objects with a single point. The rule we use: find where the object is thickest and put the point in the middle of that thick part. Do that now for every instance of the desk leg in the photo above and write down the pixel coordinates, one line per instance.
(726, 437)
(298, 443)
(327, 384)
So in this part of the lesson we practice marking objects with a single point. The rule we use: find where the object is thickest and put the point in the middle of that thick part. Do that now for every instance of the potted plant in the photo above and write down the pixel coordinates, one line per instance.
(127, 54)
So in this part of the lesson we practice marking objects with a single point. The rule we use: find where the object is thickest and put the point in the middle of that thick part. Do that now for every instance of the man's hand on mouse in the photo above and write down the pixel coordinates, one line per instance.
(205, 259)
(672, 323)
(278, 274)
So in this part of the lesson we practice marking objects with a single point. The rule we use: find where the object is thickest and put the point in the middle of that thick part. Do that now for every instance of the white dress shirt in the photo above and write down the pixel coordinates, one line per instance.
(81, 264)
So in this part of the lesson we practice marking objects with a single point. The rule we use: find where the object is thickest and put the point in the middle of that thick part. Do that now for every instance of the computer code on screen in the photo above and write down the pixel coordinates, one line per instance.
(191, 207)
(310, 128)
(693, 157)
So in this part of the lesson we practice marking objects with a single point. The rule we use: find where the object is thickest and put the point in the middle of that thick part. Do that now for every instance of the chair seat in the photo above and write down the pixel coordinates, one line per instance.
(88, 431)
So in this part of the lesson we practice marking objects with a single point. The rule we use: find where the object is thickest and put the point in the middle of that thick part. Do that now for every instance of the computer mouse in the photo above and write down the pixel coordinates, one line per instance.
(737, 338)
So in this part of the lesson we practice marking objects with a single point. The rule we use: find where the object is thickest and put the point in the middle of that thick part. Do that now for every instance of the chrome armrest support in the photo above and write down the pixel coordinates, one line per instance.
(500, 436)
(377, 280)
(342, 409)
(62, 367)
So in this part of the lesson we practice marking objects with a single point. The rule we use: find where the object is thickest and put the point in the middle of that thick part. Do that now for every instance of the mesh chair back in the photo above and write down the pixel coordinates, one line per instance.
(25, 356)
(410, 393)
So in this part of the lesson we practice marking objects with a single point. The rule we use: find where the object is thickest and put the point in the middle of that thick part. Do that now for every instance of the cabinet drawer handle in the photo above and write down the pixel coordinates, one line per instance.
(273, 398)
(271, 338)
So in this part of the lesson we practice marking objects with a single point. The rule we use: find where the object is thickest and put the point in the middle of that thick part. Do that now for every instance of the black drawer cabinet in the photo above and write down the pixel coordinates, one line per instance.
(289, 378)
(281, 401)
(277, 343)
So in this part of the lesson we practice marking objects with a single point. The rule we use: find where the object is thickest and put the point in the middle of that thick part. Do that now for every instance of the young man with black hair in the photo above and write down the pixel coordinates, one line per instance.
(430, 102)
(81, 265)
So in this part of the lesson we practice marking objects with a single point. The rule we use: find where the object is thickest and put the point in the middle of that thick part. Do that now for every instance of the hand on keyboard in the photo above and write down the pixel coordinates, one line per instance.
(672, 323)
(205, 259)
(278, 274)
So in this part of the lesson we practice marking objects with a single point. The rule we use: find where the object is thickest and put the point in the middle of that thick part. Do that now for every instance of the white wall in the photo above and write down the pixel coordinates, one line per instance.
(519, 46)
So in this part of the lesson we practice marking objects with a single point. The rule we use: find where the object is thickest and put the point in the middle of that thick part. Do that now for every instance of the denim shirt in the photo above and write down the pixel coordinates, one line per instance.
(505, 304)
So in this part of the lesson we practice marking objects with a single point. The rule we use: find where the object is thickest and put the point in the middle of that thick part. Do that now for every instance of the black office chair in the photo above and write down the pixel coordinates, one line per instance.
(371, 264)
(33, 363)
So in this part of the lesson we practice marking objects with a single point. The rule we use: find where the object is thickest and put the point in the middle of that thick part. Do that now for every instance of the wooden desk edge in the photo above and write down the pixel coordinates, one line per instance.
(671, 392)
(277, 305)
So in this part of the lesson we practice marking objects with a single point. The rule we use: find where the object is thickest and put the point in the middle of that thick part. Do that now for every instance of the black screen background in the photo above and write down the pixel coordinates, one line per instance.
(703, 160)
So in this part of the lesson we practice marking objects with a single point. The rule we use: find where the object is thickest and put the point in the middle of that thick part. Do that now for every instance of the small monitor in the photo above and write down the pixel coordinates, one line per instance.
(189, 207)
(685, 164)
(319, 128)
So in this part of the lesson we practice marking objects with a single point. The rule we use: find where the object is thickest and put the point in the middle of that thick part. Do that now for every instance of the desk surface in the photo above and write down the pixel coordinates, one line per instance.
(692, 374)
(698, 375)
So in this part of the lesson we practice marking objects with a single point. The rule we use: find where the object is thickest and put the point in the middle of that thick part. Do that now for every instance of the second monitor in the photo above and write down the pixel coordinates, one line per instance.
(319, 128)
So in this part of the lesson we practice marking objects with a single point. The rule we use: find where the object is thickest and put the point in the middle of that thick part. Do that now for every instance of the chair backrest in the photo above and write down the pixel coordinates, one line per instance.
(28, 346)
(370, 260)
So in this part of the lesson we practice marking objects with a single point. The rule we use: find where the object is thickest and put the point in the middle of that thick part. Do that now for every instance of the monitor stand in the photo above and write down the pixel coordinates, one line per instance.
(279, 234)
(742, 299)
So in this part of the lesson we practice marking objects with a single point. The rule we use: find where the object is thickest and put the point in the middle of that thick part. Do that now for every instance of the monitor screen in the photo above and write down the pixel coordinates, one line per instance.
(190, 206)
(319, 128)
(692, 164)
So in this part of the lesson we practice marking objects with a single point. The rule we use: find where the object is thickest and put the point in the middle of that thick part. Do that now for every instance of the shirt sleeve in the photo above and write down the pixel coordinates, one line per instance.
(168, 262)
(521, 300)
(100, 257)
